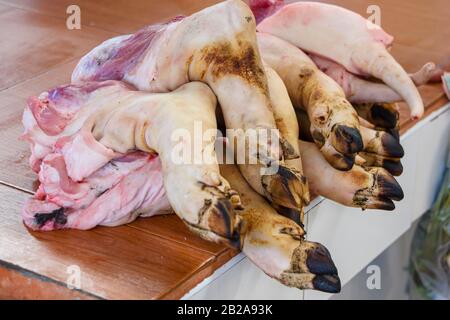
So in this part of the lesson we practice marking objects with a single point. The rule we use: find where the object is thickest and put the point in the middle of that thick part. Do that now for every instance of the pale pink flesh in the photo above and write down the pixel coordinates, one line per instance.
(83, 154)
(357, 44)
(265, 8)
(118, 56)
(79, 174)
(54, 119)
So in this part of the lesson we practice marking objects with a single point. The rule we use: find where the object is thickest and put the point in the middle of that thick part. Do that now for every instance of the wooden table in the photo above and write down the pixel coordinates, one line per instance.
(155, 258)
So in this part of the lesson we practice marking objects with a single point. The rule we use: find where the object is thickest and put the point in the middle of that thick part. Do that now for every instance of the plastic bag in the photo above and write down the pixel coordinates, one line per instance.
(430, 249)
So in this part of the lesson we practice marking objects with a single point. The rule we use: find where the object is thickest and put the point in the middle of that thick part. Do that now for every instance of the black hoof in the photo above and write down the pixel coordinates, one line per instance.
(342, 162)
(393, 167)
(348, 140)
(319, 261)
(389, 188)
(392, 147)
(383, 117)
(327, 283)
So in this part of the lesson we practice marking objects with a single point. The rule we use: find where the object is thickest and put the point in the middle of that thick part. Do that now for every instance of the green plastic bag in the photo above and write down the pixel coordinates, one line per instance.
(430, 249)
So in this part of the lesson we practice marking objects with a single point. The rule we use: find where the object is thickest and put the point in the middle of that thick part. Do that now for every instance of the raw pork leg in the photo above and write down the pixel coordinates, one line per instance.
(287, 125)
(277, 244)
(217, 46)
(139, 191)
(362, 187)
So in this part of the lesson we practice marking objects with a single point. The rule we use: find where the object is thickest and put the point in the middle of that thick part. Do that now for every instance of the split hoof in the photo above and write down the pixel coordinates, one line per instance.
(380, 193)
(339, 161)
(346, 140)
(382, 143)
(217, 219)
(392, 165)
(312, 268)
(286, 188)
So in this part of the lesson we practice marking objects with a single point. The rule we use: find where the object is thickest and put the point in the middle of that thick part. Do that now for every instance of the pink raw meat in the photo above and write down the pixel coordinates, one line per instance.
(117, 193)
(83, 183)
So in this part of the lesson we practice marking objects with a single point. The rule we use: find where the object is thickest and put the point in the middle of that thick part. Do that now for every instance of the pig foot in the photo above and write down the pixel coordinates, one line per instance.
(341, 145)
(382, 149)
(286, 188)
(363, 187)
(379, 191)
(276, 244)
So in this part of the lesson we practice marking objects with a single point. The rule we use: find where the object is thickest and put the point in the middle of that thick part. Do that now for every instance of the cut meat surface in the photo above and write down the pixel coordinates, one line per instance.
(55, 117)
(120, 56)
(118, 193)
(83, 155)
(84, 183)
(265, 8)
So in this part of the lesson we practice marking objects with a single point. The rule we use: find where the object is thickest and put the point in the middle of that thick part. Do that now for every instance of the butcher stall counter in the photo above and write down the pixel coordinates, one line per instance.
(158, 258)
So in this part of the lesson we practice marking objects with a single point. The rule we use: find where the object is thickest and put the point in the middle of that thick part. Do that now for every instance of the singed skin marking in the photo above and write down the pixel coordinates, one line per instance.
(318, 137)
(293, 233)
(305, 74)
(57, 215)
(299, 256)
(258, 242)
(317, 95)
(224, 59)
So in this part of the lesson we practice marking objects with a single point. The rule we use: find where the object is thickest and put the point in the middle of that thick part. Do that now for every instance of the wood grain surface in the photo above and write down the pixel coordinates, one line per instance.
(149, 258)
